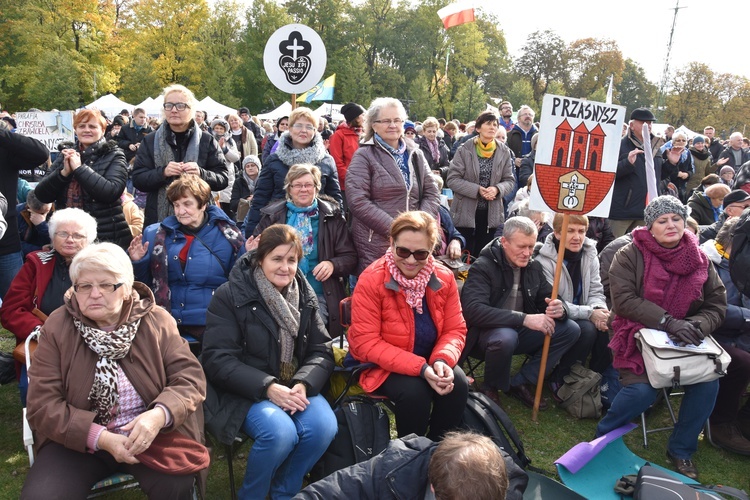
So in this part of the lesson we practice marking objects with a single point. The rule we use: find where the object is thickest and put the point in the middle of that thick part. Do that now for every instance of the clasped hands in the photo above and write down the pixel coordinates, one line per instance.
(175, 168)
(71, 161)
(440, 377)
(489, 193)
(291, 400)
(142, 431)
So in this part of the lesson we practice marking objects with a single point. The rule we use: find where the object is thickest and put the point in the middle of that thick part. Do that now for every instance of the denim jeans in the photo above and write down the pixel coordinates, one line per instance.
(10, 264)
(285, 448)
(696, 406)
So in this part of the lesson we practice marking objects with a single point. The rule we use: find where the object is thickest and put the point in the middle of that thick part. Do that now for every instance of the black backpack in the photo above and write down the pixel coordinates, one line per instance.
(655, 484)
(484, 417)
(364, 431)
(739, 258)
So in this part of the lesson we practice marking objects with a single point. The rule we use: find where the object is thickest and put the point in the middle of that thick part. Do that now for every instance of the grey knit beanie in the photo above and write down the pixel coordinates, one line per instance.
(664, 205)
(251, 159)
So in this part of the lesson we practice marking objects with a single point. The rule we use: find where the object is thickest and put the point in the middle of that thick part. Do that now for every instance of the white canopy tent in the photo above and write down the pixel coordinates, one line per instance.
(152, 106)
(282, 110)
(330, 109)
(213, 108)
(110, 104)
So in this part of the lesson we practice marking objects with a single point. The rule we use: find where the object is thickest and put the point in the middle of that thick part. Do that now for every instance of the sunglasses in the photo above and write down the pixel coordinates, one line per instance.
(405, 253)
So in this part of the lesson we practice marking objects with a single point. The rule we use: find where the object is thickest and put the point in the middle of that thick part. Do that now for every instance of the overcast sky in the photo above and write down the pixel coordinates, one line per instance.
(712, 32)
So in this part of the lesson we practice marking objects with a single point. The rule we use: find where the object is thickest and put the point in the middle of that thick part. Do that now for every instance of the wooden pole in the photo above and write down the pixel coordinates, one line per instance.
(294, 102)
(555, 286)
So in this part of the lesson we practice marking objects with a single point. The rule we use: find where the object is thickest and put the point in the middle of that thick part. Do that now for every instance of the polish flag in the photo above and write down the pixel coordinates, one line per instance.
(456, 14)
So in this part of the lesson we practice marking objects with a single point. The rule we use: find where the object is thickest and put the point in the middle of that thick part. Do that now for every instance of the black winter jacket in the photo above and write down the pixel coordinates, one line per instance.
(102, 176)
(17, 152)
(629, 196)
(399, 472)
(242, 349)
(128, 136)
(489, 285)
(149, 178)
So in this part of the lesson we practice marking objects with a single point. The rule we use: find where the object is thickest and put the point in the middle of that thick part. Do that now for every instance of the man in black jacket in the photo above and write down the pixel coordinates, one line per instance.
(631, 187)
(464, 466)
(247, 120)
(507, 306)
(17, 152)
(132, 133)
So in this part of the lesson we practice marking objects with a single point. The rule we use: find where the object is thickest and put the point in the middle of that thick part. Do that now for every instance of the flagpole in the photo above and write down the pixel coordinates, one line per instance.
(294, 102)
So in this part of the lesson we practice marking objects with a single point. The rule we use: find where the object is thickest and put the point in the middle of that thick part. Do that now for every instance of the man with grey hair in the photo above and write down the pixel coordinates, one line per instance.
(735, 153)
(507, 306)
(519, 137)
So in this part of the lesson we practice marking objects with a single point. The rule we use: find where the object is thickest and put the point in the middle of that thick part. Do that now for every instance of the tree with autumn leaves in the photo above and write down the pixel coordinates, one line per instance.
(64, 53)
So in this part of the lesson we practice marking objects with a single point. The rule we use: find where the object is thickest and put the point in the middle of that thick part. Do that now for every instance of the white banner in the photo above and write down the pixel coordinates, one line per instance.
(49, 128)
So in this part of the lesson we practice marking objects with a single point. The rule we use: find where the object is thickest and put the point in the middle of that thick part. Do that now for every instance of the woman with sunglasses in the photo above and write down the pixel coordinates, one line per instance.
(178, 146)
(301, 144)
(406, 318)
(678, 164)
(387, 175)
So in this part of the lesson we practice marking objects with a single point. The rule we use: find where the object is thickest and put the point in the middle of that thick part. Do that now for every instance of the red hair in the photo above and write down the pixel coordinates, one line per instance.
(85, 115)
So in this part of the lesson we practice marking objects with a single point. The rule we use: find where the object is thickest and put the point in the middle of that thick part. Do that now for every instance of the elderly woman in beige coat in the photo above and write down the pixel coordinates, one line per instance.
(480, 175)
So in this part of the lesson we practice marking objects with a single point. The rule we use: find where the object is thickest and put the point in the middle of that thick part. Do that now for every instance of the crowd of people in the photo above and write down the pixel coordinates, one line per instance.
(212, 255)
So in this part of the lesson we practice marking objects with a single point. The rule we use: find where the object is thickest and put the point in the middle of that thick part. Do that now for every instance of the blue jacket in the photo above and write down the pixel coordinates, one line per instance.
(192, 288)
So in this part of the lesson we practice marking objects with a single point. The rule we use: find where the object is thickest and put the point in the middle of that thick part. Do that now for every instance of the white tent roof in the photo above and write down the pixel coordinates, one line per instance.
(110, 104)
(213, 108)
(330, 109)
(282, 110)
(152, 106)
(689, 133)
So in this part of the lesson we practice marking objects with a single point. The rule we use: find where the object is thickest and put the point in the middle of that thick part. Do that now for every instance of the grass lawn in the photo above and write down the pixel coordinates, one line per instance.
(545, 440)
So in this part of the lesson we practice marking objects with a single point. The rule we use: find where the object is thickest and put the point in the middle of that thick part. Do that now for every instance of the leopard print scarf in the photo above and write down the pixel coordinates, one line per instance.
(110, 346)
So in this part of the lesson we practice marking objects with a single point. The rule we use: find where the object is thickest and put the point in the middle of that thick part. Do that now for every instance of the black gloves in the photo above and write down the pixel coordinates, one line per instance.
(682, 332)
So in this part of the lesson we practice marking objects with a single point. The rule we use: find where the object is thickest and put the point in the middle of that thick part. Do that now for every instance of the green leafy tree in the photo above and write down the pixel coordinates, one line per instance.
(521, 92)
(590, 63)
(542, 61)
(693, 97)
(634, 90)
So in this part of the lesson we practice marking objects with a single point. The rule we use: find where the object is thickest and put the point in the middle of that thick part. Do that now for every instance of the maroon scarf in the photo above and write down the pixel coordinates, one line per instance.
(673, 278)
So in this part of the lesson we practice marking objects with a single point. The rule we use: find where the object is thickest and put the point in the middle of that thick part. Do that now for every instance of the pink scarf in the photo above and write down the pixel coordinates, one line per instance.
(434, 149)
(413, 288)
(673, 279)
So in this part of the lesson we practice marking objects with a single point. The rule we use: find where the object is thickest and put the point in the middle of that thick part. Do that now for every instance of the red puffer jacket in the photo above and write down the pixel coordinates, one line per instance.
(382, 330)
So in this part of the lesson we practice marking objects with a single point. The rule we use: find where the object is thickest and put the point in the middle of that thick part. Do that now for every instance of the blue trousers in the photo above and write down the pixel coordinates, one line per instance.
(10, 264)
(285, 448)
(697, 404)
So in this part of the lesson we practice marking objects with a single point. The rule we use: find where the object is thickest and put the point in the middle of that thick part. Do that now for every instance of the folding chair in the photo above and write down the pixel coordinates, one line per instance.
(665, 394)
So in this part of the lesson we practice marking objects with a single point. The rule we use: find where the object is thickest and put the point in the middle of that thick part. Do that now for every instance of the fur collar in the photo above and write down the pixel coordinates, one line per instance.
(312, 154)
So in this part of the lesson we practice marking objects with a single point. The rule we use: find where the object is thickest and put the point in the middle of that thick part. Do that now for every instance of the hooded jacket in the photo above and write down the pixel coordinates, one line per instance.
(159, 365)
(102, 176)
(592, 294)
(242, 351)
(344, 143)
(209, 260)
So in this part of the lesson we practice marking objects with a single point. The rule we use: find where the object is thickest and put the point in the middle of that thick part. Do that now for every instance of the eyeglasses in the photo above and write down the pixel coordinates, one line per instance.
(410, 132)
(283, 124)
(398, 122)
(181, 106)
(405, 253)
(65, 235)
(306, 187)
(302, 126)
(87, 288)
